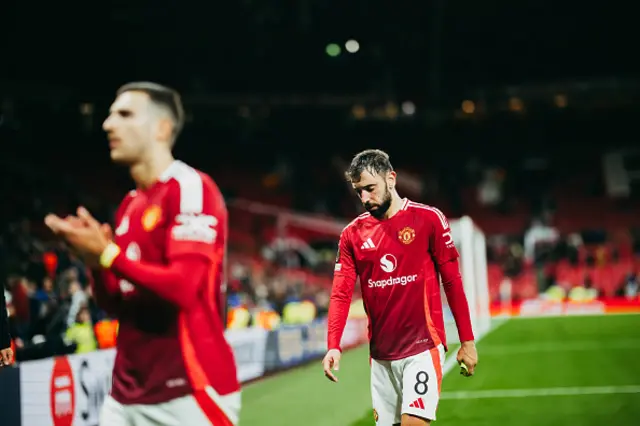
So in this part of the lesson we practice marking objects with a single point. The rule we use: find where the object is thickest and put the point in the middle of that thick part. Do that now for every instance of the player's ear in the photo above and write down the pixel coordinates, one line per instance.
(165, 130)
(391, 179)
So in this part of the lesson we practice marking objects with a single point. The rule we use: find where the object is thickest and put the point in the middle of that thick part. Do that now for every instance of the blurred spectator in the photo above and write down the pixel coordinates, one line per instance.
(81, 332)
(514, 260)
(106, 331)
(630, 288)
(538, 239)
(585, 292)
(490, 192)
(78, 301)
(575, 247)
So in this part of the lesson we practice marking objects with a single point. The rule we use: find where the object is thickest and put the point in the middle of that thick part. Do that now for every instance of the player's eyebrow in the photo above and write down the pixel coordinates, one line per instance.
(368, 187)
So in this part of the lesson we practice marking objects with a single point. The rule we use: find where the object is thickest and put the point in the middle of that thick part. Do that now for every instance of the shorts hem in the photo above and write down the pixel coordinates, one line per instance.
(421, 414)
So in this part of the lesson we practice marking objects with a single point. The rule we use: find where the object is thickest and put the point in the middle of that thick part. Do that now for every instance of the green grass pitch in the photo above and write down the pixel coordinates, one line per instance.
(555, 371)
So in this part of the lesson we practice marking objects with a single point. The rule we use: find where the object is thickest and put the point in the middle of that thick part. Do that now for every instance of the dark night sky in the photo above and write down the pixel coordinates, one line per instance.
(256, 46)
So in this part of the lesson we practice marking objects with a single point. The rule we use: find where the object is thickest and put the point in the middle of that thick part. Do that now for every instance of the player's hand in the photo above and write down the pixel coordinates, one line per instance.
(106, 230)
(331, 361)
(468, 355)
(59, 225)
(83, 232)
(6, 357)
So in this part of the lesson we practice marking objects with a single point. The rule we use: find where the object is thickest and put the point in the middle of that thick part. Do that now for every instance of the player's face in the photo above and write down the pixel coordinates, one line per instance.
(130, 126)
(373, 190)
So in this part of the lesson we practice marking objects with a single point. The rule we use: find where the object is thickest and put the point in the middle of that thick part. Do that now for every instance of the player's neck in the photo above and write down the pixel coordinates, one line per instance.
(146, 172)
(395, 207)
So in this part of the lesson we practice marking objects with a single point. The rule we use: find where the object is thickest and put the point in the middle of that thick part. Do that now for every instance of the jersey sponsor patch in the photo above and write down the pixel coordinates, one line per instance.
(195, 228)
(388, 263)
(402, 280)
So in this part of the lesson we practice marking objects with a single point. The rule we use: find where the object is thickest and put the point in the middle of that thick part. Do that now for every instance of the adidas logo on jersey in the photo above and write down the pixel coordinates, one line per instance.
(367, 245)
(417, 404)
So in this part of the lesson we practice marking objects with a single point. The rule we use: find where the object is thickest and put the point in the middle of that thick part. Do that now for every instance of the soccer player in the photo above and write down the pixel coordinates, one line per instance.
(163, 273)
(397, 249)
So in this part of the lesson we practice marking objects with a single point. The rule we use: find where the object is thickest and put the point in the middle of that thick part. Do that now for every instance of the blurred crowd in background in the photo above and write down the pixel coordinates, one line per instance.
(560, 212)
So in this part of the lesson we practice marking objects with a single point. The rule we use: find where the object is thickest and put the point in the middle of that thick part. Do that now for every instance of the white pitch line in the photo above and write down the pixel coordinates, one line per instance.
(575, 346)
(524, 393)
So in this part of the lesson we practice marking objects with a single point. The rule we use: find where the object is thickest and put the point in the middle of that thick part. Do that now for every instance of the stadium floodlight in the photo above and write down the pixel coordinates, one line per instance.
(332, 50)
(352, 46)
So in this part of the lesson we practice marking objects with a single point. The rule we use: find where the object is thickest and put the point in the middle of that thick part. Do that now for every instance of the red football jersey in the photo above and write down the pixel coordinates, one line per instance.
(396, 260)
(165, 351)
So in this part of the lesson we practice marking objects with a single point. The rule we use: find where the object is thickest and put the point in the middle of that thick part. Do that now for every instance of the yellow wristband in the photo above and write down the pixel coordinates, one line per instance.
(109, 255)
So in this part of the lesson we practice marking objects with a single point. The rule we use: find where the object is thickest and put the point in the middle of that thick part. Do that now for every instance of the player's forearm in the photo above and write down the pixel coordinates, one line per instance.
(454, 290)
(106, 292)
(177, 282)
(339, 305)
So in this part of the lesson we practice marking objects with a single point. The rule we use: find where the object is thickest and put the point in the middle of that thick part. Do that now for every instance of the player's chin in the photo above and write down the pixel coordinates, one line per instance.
(375, 211)
(120, 157)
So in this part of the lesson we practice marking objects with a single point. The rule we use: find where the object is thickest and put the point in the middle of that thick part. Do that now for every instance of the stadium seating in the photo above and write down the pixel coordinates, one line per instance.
(573, 200)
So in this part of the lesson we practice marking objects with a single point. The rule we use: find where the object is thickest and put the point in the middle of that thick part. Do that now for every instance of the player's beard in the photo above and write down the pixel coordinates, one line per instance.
(379, 210)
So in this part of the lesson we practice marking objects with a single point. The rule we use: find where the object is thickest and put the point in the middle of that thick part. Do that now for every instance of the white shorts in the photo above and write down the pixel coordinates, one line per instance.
(204, 408)
(407, 386)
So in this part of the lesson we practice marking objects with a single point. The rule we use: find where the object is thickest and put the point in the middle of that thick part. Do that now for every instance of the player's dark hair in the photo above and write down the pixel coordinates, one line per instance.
(374, 161)
(164, 97)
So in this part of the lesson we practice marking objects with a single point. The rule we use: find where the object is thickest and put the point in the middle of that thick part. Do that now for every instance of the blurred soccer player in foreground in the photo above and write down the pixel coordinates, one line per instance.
(162, 273)
(398, 248)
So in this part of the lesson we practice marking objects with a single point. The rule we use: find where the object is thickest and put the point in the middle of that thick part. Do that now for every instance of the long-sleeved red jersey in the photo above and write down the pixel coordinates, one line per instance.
(398, 261)
(165, 287)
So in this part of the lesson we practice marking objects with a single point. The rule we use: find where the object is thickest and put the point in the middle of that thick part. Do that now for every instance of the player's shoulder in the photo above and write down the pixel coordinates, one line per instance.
(427, 212)
(190, 186)
(188, 179)
(131, 195)
(183, 174)
(356, 223)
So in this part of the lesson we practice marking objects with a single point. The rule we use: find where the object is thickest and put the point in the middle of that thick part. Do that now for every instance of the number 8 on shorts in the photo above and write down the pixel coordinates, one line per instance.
(421, 380)
(407, 386)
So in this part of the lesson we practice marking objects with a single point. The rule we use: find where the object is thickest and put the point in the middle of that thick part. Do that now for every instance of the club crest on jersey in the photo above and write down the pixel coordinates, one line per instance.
(151, 217)
(407, 235)
(375, 415)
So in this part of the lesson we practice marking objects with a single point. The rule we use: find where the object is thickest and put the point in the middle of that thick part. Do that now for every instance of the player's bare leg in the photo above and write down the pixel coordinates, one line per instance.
(409, 420)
